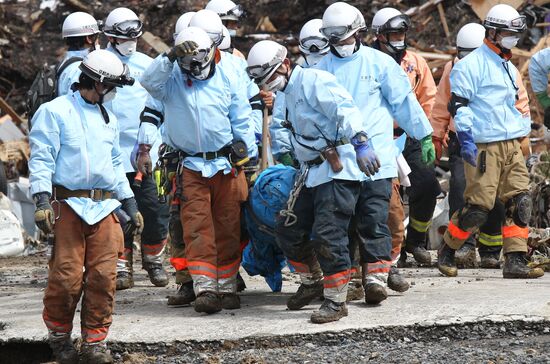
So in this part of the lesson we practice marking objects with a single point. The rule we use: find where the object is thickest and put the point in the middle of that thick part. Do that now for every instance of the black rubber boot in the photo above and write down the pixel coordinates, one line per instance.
(396, 282)
(490, 260)
(375, 293)
(184, 295)
(465, 257)
(95, 354)
(446, 261)
(157, 274)
(515, 266)
(329, 311)
(304, 295)
(124, 280)
(420, 254)
(231, 301)
(64, 350)
(208, 302)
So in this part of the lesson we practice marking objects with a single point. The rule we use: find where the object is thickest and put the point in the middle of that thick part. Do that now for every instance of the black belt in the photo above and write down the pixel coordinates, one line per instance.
(320, 159)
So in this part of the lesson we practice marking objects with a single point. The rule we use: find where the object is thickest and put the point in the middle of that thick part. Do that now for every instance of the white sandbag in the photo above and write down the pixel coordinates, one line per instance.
(11, 236)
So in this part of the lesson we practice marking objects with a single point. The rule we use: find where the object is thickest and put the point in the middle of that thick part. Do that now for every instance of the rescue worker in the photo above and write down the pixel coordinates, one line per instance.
(153, 113)
(484, 91)
(334, 150)
(469, 38)
(81, 32)
(214, 139)
(123, 29)
(539, 67)
(390, 27)
(76, 169)
(230, 14)
(382, 91)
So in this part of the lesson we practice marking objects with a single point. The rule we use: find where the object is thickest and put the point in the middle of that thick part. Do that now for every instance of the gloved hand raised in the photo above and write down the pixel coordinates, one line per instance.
(468, 149)
(366, 157)
(129, 206)
(184, 49)
(428, 150)
(44, 217)
(144, 164)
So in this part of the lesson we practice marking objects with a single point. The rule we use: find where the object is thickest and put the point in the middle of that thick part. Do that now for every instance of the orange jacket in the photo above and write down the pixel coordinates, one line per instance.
(422, 81)
(441, 119)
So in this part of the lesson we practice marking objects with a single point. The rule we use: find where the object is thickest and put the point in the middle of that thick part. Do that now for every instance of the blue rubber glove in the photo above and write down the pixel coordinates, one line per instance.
(468, 149)
(366, 157)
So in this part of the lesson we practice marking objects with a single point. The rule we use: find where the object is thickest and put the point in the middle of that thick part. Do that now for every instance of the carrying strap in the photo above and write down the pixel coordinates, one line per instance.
(63, 65)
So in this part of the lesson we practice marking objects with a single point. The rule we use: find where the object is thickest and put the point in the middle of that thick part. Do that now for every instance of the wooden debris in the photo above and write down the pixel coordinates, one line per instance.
(444, 22)
(155, 42)
(18, 120)
(78, 5)
(481, 7)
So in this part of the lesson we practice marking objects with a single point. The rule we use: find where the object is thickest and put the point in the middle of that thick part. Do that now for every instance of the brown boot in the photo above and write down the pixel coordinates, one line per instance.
(329, 311)
(208, 302)
(63, 348)
(95, 354)
(355, 291)
(304, 295)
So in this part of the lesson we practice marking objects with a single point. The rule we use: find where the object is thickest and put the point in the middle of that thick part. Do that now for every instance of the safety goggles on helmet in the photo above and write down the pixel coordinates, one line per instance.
(397, 24)
(336, 34)
(126, 29)
(313, 44)
(202, 56)
(107, 78)
(260, 73)
(516, 25)
(235, 12)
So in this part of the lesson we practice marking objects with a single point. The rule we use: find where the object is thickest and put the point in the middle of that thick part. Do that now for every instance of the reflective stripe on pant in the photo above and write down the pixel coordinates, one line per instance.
(371, 216)
(422, 194)
(490, 232)
(505, 176)
(210, 216)
(155, 219)
(324, 213)
(396, 216)
(95, 248)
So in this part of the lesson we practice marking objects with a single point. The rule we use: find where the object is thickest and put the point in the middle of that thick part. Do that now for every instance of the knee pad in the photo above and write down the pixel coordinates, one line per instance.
(519, 208)
(472, 216)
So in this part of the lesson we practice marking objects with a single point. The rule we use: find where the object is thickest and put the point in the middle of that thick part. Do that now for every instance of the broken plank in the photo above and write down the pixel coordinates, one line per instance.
(11, 112)
(444, 22)
(155, 42)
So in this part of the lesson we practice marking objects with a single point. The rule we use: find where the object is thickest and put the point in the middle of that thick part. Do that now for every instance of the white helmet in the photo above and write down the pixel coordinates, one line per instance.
(198, 64)
(79, 24)
(311, 38)
(263, 60)
(183, 22)
(341, 21)
(123, 23)
(226, 42)
(105, 67)
(226, 9)
(470, 36)
(210, 22)
(390, 20)
(505, 17)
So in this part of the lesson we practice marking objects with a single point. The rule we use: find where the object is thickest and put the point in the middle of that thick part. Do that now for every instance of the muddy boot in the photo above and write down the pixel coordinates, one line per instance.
(157, 274)
(184, 295)
(375, 293)
(515, 266)
(355, 291)
(231, 301)
(124, 269)
(490, 260)
(208, 302)
(396, 282)
(304, 295)
(446, 261)
(95, 354)
(465, 257)
(329, 311)
(63, 348)
(420, 254)
(241, 286)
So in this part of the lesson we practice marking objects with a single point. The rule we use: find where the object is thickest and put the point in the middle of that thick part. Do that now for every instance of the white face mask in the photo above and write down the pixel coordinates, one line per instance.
(109, 96)
(345, 50)
(232, 32)
(277, 84)
(313, 59)
(399, 45)
(509, 42)
(127, 48)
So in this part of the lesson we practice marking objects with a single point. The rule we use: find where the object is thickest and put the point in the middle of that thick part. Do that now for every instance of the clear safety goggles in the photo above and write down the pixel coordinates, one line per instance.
(314, 44)
(129, 29)
(516, 25)
(202, 56)
(235, 12)
(259, 72)
(336, 33)
(216, 37)
(399, 23)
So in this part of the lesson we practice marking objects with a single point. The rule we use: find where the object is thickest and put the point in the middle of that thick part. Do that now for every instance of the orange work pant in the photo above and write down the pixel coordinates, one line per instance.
(396, 216)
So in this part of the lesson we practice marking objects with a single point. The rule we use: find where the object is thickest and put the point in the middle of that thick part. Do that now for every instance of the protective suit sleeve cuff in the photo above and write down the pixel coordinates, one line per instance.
(41, 187)
(147, 134)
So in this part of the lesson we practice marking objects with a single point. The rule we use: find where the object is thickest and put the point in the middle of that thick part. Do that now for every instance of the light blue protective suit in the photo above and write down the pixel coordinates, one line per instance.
(318, 108)
(539, 66)
(491, 114)
(72, 146)
(200, 116)
(382, 92)
(70, 74)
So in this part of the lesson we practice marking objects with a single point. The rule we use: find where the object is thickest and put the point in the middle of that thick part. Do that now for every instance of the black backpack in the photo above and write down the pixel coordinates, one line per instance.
(44, 86)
